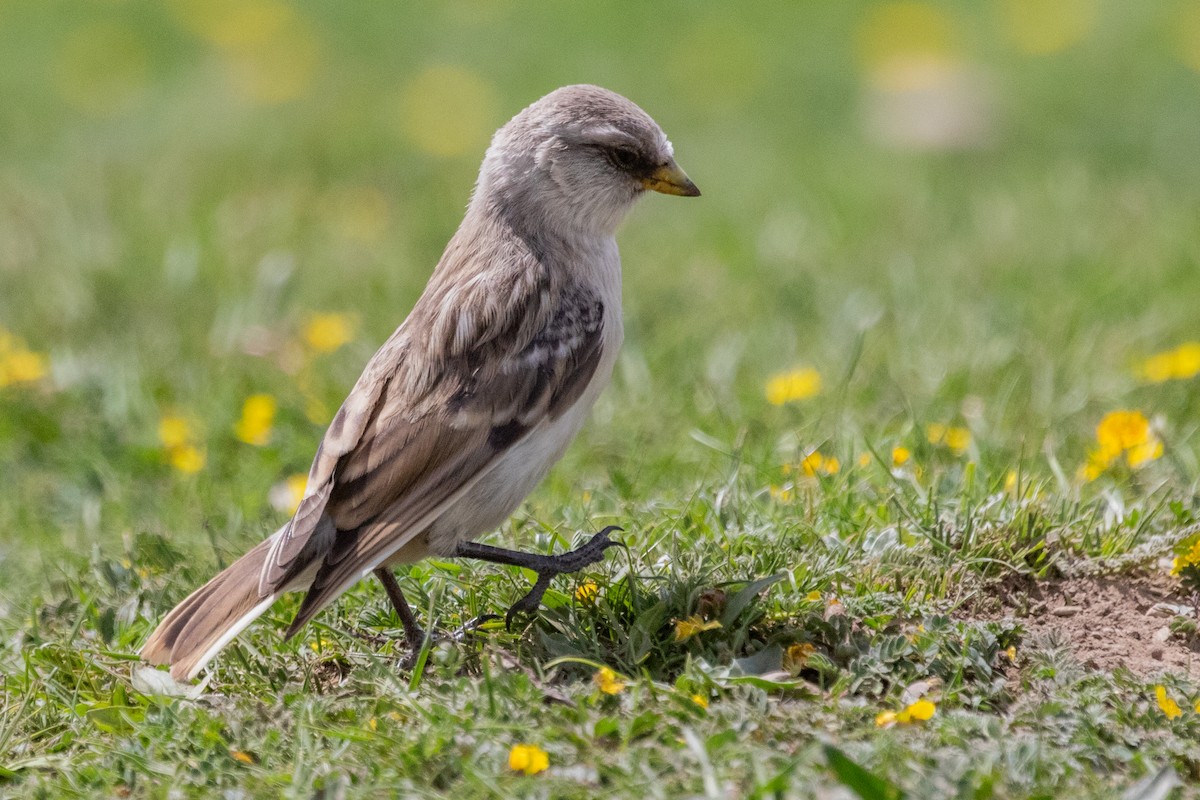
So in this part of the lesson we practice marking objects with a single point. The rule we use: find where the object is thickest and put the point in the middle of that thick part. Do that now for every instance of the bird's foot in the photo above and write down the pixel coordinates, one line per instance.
(546, 567)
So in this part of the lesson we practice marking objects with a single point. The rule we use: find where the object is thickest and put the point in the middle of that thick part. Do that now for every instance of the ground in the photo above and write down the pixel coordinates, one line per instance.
(1108, 623)
(903, 437)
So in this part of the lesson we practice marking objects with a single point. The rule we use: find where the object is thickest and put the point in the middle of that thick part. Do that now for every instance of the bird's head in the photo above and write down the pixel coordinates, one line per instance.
(577, 160)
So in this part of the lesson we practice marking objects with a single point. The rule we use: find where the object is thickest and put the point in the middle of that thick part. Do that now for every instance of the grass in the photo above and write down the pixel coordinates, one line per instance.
(178, 197)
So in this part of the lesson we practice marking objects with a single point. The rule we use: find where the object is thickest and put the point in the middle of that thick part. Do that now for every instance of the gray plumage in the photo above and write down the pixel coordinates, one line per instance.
(478, 393)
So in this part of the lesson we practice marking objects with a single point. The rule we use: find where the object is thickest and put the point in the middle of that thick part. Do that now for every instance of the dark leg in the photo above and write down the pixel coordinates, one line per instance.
(412, 629)
(546, 567)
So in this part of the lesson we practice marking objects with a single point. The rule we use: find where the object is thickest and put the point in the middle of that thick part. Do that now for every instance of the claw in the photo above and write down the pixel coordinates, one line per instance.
(532, 599)
(546, 567)
(589, 553)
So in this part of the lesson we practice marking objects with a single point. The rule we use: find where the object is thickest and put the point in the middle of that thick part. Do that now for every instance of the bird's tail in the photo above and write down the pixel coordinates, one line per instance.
(199, 627)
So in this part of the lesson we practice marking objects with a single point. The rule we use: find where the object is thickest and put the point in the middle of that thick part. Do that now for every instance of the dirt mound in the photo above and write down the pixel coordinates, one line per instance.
(1109, 622)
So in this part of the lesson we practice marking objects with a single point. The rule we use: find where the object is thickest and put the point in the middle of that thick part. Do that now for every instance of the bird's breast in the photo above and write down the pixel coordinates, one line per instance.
(518, 471)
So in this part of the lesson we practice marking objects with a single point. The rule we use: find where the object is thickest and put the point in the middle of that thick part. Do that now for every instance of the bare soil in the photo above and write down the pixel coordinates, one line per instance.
(1108, 622)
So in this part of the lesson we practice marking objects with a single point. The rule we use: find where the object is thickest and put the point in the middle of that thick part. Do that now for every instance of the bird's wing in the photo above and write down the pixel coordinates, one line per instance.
(411, 439)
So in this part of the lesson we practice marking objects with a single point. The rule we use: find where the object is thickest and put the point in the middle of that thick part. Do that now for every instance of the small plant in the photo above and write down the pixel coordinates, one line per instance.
(1187, 562)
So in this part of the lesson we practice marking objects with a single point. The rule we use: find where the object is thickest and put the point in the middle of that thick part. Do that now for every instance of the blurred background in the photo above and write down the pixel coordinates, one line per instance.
(981, 214)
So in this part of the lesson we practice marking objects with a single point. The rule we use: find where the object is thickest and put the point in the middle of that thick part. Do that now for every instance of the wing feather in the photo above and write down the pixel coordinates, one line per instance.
(481, 361)
(404, 471)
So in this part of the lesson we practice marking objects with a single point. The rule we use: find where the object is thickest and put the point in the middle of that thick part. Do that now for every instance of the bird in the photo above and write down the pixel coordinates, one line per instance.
(464, 409)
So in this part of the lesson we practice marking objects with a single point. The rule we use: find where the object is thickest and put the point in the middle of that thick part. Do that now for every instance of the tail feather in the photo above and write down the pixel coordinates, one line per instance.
(199, 627)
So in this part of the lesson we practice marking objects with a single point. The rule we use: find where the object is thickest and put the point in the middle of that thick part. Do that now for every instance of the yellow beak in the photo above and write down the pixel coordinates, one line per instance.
(670, 179)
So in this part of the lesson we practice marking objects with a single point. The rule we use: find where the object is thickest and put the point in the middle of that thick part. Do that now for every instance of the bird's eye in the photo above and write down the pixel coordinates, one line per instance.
(625, 158)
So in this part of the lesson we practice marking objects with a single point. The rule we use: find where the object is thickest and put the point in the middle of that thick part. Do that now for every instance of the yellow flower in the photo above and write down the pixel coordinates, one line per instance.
(798, 384)
(687, 628)
(900, 456)
(242, 756)
(1189, 559)
(179, 441)
(795, 658)
(258, 415)
(587, 592)
(324, 333)
(814, 463)
(1010, 481)
(26, 366)
(782, 494)
(271, 52)
(702, 701)
(958, 439)
(528, 758)
(954, 437)
(813, 596)
(919, 711)
(1097, 463)
(1181, 363)
(904, 45)
(1011, 653)
(373, 723)
(286, 495)
(1121, 430)
(297, 483)
(607, 681)
(1156, 369)
(18, 365)
(174, 431)
(1144, 453)
(864, 460)
(187, 458)
(1168, 706)
(1122, 433)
